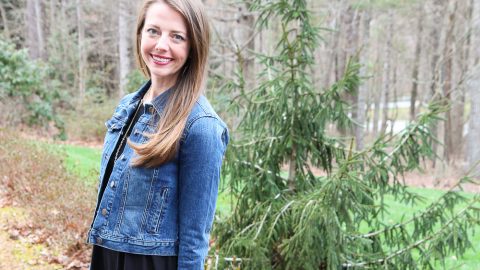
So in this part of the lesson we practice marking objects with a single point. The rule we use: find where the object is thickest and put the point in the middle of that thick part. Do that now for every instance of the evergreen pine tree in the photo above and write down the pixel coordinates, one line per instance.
(286, 217)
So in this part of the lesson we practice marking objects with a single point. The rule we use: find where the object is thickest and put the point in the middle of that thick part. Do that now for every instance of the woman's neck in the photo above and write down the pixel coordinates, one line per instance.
(156, 89)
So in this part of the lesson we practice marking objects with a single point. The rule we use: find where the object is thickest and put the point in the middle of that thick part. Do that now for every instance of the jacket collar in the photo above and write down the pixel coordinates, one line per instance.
(158, 102)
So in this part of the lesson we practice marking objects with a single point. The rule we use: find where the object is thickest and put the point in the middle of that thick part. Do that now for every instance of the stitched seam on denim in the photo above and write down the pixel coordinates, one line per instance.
(160, 219)
(204, 112)
(143, 139)
(204, 109)
(121, 210)
(187, 127)
(144, 225)
(113, 237)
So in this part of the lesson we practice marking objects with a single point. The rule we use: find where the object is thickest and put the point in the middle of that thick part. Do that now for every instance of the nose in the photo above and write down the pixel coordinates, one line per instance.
(162, 43)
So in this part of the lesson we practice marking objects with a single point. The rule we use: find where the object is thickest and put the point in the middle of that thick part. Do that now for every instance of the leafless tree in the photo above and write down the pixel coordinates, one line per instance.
(35, 35)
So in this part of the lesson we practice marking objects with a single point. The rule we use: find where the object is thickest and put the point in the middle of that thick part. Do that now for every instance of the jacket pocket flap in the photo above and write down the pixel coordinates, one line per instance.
(114, 124)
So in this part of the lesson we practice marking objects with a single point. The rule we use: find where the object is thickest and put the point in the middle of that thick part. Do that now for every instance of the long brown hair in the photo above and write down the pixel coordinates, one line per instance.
(163, 144)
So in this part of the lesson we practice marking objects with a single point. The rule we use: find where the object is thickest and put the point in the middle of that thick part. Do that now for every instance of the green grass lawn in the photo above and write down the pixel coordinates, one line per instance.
(399, 211)
(84, 162)
(81, 161)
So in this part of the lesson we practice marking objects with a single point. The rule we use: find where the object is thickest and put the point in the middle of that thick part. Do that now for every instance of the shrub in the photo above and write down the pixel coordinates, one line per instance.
(27, 87)
(134, 79)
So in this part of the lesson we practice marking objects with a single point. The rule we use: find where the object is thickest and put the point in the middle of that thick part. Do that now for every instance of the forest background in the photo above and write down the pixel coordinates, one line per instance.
(65, 64)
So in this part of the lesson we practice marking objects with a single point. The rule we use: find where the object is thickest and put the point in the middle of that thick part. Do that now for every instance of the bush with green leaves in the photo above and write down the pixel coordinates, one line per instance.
(286, 216)
(134, 80)
(28, 85)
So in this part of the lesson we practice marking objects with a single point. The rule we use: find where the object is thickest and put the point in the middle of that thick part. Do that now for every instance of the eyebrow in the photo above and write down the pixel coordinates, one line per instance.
(174, 31)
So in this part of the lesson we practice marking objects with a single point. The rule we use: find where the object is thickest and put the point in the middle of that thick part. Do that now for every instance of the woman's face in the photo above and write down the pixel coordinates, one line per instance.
(164, 43)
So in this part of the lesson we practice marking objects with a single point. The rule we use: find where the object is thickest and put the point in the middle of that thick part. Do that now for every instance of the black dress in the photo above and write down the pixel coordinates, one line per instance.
(106, 259)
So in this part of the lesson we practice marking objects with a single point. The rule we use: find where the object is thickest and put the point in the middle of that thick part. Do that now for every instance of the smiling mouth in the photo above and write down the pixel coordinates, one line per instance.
(161, 60)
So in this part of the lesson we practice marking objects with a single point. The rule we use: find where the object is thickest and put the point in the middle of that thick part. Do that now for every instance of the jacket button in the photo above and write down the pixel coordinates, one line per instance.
(104, 212)
(99, 240)
(112, 185)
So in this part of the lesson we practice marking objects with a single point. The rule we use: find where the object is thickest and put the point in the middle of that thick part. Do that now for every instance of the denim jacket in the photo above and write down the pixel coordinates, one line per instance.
(166, 210)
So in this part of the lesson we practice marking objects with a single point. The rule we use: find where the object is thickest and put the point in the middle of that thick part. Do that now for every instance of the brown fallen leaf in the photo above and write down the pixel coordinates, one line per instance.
(14, 234)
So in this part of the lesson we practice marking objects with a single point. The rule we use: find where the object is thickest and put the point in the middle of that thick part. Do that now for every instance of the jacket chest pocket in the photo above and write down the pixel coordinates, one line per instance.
(149, 129)
(156, 209)
(114, 126)
(142, 130)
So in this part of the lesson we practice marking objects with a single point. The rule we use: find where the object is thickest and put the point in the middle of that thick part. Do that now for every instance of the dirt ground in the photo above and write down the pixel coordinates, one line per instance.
(441, 178)
(19, 249)
(22, 244)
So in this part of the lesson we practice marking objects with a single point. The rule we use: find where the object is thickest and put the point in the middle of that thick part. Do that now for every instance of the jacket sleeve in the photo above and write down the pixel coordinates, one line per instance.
(200, 159)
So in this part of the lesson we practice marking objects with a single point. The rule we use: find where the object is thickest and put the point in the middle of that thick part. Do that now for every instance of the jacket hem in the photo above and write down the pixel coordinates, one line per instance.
(134, 246)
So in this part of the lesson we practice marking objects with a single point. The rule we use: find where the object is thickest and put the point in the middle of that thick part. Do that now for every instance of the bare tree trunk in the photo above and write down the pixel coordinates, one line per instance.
(473, 151)
(292, 167)
(333, 51)
(467, 63)
(123, 39)
(3, 13)
(437, 11)
(377, 96)
(39, 28)
(362, 91)
(461, 65)
(370, 100)
(385, 99)
(35, 38)
(416, 66)
(394, 115)
(344, 21)
(246, 43)
(349, 39)
(386, 74)
(52, 8)
(449, 149)
(352, 55)
(82, 59)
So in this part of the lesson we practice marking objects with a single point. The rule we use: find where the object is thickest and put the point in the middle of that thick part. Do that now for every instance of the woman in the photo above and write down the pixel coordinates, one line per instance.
(163, 151)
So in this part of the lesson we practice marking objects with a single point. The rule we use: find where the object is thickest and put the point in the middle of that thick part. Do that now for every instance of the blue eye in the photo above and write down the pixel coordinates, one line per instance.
(152, 31)
(178, 37)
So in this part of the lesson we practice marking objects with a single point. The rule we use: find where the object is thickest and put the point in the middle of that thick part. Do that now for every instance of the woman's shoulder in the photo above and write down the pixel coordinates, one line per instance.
(203, 109)
(204, 121)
